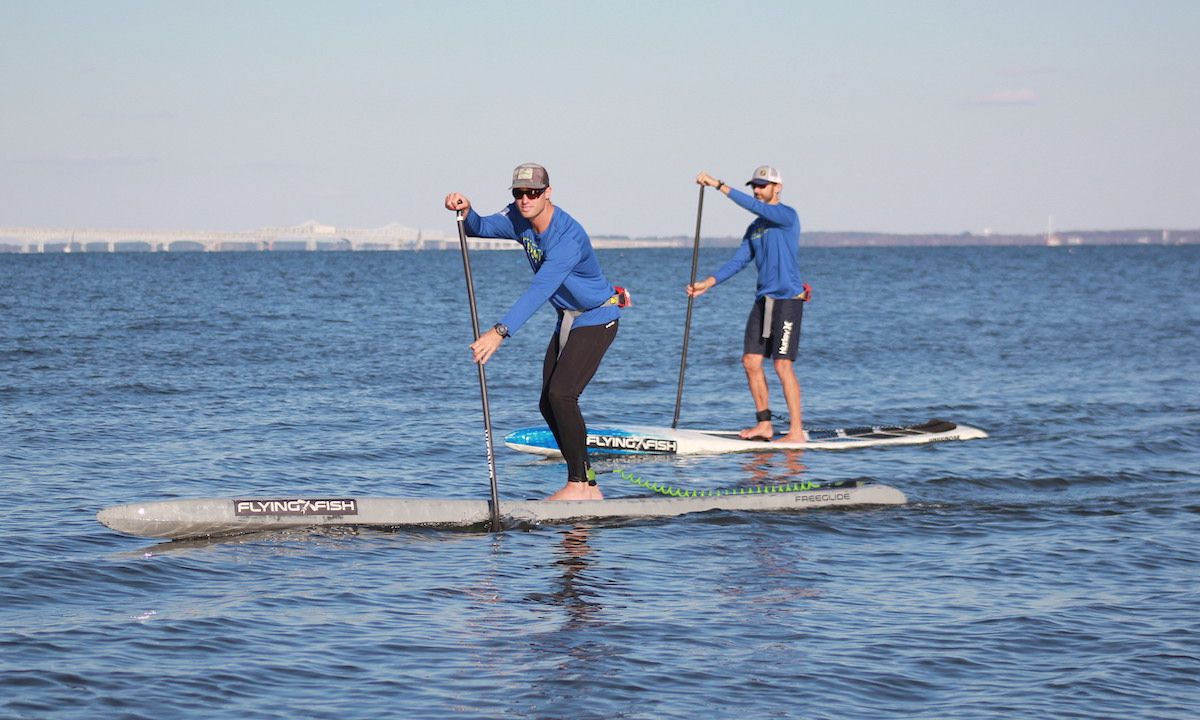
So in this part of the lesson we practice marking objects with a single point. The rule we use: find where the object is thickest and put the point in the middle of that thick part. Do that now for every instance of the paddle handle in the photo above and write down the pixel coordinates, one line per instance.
(687, 323)
(483, 392)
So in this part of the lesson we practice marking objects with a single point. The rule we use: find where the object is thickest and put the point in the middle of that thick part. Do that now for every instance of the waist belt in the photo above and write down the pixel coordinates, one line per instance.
(769, 308)
(621, 298)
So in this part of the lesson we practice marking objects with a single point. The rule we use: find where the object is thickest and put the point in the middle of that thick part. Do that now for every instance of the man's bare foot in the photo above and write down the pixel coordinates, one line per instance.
(762, 431)
(795, 436)
(578, 491)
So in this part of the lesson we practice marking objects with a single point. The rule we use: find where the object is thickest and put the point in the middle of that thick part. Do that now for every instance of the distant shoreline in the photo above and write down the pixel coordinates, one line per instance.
(313, 236)
(870, 239)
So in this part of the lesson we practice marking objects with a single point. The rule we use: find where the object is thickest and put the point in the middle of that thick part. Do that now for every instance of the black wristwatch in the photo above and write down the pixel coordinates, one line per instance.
(502, 329)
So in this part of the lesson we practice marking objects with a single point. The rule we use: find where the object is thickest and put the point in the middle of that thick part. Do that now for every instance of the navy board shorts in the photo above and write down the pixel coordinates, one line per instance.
(784, 339)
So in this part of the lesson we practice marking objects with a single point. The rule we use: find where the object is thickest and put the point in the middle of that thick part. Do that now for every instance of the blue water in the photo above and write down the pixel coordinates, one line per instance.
(1051, 570)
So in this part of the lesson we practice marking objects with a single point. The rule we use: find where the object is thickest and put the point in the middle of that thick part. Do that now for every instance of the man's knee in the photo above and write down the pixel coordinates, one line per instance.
(785, 368)
(558, 399)
(752, 362)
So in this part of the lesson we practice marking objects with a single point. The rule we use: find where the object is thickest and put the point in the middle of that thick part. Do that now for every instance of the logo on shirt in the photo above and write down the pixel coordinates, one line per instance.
(533, 252)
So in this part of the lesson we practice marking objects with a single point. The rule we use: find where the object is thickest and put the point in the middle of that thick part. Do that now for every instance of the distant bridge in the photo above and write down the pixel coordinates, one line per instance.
(311, 236)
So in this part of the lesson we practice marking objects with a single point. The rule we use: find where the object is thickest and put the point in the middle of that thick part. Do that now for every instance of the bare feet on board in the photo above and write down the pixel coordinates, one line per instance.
(762, 431)
(578, 491)
(795, 436)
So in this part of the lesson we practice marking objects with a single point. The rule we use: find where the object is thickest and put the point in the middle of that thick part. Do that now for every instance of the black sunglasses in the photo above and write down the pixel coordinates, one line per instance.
(531, 193)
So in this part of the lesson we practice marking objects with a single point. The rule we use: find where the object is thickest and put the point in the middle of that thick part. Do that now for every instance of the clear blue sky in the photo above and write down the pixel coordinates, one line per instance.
(923, 116)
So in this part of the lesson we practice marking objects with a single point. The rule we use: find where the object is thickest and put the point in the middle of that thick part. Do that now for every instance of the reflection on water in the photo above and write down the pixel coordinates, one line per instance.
(774, 468)
(574, 594)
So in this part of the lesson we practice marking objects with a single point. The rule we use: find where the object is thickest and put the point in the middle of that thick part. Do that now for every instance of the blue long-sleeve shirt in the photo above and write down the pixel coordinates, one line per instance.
(773, 242)
(566, 270)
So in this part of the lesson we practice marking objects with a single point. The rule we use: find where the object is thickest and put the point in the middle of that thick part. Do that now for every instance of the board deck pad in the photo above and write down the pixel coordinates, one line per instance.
(647, 440)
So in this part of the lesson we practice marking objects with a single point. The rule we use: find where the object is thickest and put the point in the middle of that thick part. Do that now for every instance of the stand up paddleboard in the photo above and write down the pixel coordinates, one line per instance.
(645, 440)
(217, 517)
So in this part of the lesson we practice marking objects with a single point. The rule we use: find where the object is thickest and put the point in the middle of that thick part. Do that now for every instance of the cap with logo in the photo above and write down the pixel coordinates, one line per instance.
(765, 174)
(530, 175)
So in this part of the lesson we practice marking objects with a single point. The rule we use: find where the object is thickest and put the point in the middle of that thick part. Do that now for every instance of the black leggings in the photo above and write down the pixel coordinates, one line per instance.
(564, 376)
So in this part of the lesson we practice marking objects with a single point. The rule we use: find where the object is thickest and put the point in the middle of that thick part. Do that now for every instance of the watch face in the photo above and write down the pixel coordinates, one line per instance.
(501, 328)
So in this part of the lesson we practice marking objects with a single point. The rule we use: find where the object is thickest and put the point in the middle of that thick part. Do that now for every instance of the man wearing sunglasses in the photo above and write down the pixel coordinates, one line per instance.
(773, 327)
(568, 276)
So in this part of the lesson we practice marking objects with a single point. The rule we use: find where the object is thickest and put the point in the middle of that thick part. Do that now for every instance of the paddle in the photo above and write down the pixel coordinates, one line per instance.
(687, 323)
(487, 413)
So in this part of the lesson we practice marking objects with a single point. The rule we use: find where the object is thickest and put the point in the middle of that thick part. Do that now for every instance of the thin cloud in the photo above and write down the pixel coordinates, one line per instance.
(1006, 98)
(1028, 71)
(280, 165)
(98, 160)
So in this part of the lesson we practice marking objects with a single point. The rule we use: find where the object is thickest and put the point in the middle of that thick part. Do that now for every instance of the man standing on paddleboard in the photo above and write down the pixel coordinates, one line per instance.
(773, 327)
(568, 276)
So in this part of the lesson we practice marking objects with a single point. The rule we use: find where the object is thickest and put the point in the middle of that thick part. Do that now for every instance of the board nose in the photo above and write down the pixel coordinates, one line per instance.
(120, 517)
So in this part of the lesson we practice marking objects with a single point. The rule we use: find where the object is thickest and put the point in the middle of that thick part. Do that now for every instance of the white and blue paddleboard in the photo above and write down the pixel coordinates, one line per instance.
(645, 440)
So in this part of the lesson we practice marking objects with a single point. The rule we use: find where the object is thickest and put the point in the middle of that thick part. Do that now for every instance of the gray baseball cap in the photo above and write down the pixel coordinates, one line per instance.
(764, 174)
(530, 175)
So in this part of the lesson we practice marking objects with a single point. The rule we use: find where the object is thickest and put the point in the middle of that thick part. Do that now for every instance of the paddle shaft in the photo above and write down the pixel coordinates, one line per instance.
(483, 393)
(687, 323)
